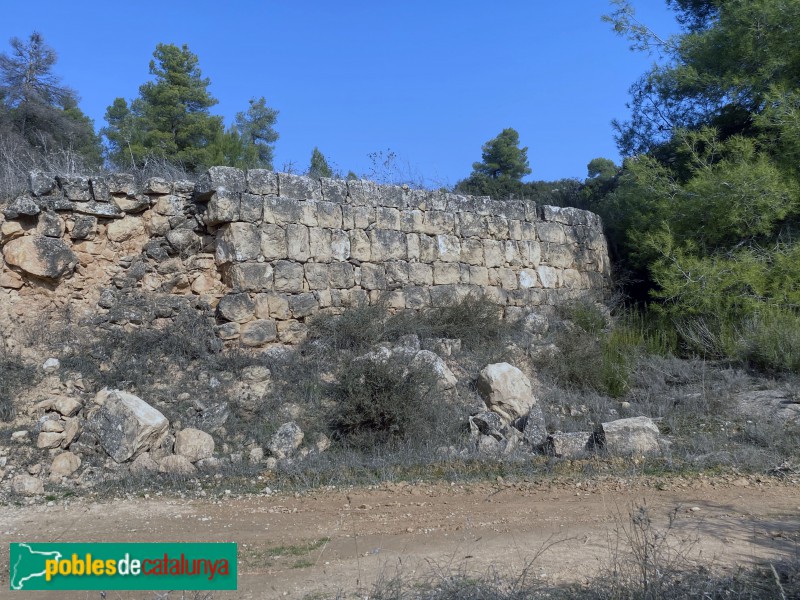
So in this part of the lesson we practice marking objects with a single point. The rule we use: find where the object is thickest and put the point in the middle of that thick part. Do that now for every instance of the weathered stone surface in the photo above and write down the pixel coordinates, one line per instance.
(83, 228)
(67, 407)
(216, 178)
(625, 437)
(506, 390)
(534, 431)
(250, 277)
(40, 183)
(75, 187)
(126, 425)
(49, 439)
(299, 187)
(98, 209)
(425, 359)
(259, 332)
(50, 225)
(144, 464)
(194, 444)
(263, 182)
(124, 229)
(238, 308)
(288, 276)
(175, 464)
(64, 465)
(286, 440)
(24, 206)
(223, 207)
(44, 257)
(25, 485)
(122, 183)
(131, 205)
(237, 242)
(157, 185)
(568, 445)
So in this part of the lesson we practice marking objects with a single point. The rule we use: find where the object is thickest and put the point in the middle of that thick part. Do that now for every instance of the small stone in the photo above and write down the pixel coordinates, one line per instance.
(49, 439)
(68, 407)
(51, 365)
(64, 465)
(26, 485)
(194, 444)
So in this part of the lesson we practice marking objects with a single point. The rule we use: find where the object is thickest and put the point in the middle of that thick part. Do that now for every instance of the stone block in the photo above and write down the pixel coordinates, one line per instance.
(446, 273)
(317, 276)
(237, 242)
(548, 276)
(291, 332)
(308, 213)
(493, 253)
(259, 332)
(360, 247)
(438, 223)
(249, 277)
(279, 307)
(428, 249)
(282, 211)
(236, 307)
(373, 276)
(478, 275)
(222, 207)
(528, 278)
(551, 232)
(341, 275)
(299, 187)
(273, 242)
(320, 244)
(329, 215)
(449, 248)
(219, 178)
(334, 190)
(340, 245)
(386, 244)
(387, 218)
(262, 182)
(288, 276)
(417, 297)
(396, 273)
(472, 251)
(43, 257)
(303, 305)
(297, 242)
(251, 208)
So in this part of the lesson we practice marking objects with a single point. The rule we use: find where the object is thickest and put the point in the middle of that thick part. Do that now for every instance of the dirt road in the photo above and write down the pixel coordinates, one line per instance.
(292, 546)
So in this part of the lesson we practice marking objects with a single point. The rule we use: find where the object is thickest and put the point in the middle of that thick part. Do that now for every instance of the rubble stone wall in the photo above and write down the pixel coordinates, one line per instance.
(269, 250)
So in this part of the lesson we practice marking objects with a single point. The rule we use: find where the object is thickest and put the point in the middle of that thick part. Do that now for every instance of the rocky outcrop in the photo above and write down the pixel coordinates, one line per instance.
(126, 425)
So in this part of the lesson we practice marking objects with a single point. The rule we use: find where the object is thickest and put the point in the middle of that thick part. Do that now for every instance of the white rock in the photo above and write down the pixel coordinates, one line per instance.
(194, 444)
(506, 390)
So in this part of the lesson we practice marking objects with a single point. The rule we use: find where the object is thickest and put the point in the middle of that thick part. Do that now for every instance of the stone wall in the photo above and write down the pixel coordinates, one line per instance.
(269, 250)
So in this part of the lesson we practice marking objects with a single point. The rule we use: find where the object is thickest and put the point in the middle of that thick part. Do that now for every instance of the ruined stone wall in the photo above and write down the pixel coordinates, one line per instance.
(269, 250)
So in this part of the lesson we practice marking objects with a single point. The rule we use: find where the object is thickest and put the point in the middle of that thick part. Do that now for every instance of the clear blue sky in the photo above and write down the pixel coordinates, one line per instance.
(431, 79)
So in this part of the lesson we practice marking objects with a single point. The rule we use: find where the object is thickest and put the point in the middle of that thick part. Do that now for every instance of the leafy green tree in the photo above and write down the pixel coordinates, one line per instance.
(170, 118)
(502, 169)
(319, 166)
(256, 127)
(37, 109)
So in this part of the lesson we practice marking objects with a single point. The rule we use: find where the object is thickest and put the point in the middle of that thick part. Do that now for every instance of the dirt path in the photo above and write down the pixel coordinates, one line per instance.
(358, 535)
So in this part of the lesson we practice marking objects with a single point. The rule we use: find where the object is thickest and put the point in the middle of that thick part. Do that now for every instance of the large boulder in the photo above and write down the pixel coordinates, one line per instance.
(569, 445)
(194, 444)
(286, 440)
(126, 425)
(506, 390)
(64, 465)
(26, 485)
(40, 256)
(626, 437)
(428, 361)
(175, 464)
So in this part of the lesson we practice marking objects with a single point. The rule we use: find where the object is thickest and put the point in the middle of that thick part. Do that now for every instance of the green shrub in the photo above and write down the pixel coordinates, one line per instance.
(770, 340)
(377, 403)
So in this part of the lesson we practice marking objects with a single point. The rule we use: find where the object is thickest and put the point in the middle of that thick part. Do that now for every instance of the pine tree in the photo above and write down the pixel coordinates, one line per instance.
(319, 166)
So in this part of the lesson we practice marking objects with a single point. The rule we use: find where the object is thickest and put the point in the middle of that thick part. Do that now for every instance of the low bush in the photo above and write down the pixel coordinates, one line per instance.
(15, 375)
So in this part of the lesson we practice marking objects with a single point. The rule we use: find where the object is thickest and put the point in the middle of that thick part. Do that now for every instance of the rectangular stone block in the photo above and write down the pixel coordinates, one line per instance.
(360, 247)
(411, 220)
(299, 187)
(329, 215)
(444, 295)
(393, 196)
(251, 208)
(340, 245)
(428, 249)
(493, 253)
(334, 190)
(292, 332)
(317, 276)
(373, 276)
(472, 251)
(320, 244)
(528, 278)
(303, 305)
(387, 218)
(571, 278)
(273, 242)
(249, 277)
(557, 255)
(297, 242)
(412, 246)
(420, 274)
(288, 276)
(460, 204)
(449, 247)
(472, 225)
(222, 207)
(281, 211)
(417, 297)
(438, 222)
(478, 275)
(512, 254)
(356, 297)
(549, 277)
(497, 227)
(386, 244)
(551, 232)
(237, 242)
(396, 273)
(446, 273)
(364, 216)
(508, 278)
(341, 275)
(515, 229)
(262, 182)
(308, 213)
(348, 217)
(279, 306)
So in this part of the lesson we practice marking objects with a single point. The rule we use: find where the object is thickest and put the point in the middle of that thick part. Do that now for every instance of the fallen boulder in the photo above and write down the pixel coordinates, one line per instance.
(626, 437)
(506, 390)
